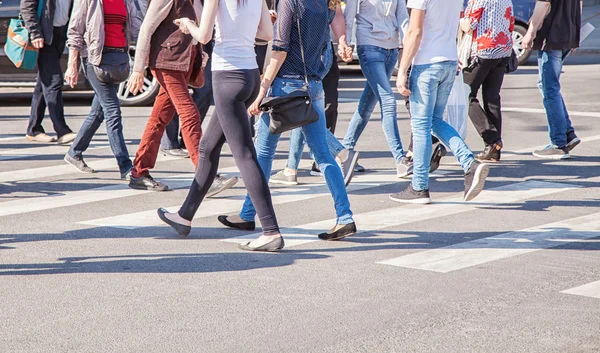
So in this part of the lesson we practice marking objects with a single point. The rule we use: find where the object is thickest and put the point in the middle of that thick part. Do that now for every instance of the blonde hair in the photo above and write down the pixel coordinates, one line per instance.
(333, 4)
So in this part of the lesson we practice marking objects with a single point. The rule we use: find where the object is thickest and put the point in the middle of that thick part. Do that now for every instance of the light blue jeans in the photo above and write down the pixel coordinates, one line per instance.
(297, 146)
(315, 135)
(430, 85)
(550, 66)
(377, 64)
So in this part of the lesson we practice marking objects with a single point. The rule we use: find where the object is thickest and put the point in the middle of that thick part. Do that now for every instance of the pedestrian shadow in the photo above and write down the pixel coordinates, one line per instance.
(159, 263)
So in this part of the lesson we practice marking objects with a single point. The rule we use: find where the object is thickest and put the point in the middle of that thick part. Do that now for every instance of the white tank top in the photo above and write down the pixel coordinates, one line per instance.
(235, 32)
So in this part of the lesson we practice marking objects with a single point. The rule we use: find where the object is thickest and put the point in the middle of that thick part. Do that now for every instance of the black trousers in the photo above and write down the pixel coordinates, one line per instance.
(487, 75)
(234, 92)
(48, 87)
(330, 86)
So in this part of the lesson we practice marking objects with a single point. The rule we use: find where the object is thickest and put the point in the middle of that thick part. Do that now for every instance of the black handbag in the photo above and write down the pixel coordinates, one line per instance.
(294, 109)
(512, 63)
(114, 67)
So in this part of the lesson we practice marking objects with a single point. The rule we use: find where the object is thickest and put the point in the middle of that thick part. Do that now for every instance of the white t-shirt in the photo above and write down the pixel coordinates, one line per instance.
(439, 30)
(235, 31)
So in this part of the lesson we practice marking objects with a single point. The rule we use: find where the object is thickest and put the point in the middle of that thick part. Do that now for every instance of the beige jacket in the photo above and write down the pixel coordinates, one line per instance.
(86, 28)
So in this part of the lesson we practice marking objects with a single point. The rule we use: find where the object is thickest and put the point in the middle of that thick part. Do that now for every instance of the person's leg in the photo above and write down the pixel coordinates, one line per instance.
(550, 66)
(170, 139)
(368, 99)
(52, 80)
(189, 115)
(162, 113)
(475, 76)
(296, 149)
(492, 102)
(38, 108)
(87, 130)
(315, 137)
(203, 96)
(330, 86)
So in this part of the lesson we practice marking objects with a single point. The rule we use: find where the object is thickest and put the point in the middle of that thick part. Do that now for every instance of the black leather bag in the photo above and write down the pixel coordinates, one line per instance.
(294, 109)
(513, 63)
(114, 67)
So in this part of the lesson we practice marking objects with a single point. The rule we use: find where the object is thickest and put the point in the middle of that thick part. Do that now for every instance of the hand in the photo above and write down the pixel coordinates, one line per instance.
(345, 51)
(255, 107)
(135, 82)
(38, 43)
(72, 75)
(183, 23)
(273, 16)
(402, 84)
(204, 59)
(528, 40)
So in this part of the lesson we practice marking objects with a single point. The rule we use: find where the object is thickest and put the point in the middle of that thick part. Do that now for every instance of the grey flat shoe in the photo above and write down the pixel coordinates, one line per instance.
(181, 229)
(273, 245)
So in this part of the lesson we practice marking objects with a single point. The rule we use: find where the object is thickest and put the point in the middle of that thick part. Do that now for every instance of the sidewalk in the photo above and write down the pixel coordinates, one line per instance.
(592, 44)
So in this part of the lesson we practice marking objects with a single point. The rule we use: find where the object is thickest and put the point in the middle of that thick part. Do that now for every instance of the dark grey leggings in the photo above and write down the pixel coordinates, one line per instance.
(233, 91)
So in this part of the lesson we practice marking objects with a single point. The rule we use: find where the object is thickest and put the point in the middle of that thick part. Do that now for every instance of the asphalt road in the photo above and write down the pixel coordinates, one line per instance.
(86, 266)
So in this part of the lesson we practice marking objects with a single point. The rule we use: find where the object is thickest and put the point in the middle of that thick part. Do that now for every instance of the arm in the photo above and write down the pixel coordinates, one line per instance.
(338, 25)
(265, 27)
(412, 42)
(350, 14)
(75, 42)
(32, 22)
(542, 9)
(204, 33)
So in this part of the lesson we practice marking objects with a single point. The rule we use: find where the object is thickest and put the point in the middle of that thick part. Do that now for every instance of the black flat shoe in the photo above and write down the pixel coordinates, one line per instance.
(346, 230)
(181, 229)
(273, 245)
(249, 226)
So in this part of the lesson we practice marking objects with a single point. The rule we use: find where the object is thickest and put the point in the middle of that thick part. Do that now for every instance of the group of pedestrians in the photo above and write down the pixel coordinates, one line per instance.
(175, 36)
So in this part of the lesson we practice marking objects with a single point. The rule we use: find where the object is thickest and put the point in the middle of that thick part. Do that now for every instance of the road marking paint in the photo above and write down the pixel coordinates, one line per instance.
(591, 290)
(214, 207)
(12, 138)
(396, 216)
(47, 150)
(543, 111)
(481, 251)
(531, 149)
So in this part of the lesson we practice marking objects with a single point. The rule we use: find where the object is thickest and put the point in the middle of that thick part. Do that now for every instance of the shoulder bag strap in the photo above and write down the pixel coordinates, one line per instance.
(300, 38)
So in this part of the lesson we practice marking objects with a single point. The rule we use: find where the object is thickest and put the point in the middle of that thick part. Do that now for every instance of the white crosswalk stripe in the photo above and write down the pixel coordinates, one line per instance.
(591, 290)
(20, 153)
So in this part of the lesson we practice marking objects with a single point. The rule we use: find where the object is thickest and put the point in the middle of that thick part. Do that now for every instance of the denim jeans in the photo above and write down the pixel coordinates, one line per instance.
(550, 66)
(105, 107)
(315, 135)
(377, 64)
(297, 146)
(430, 85)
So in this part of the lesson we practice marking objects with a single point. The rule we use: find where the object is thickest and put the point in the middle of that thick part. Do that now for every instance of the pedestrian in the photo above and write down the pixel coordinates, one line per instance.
(294, 63)
(48, 34)
(554, 31)
(491, 23)
(100, 32)
(379, 38)
(288, 175)
(430, 45)
(235, 84)
(170, 54)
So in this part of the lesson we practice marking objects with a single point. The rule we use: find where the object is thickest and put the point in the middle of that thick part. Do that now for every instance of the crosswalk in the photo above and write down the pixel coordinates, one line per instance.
(443, 260)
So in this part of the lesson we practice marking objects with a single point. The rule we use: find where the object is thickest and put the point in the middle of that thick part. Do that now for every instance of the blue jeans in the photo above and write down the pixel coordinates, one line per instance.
(377, 64)
(315, 135)
(550, 66)
(297, 146)
(105, 107)
(430, 85)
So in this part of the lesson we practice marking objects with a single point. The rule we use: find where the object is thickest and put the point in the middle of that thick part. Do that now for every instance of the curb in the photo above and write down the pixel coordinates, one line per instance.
(586, 51)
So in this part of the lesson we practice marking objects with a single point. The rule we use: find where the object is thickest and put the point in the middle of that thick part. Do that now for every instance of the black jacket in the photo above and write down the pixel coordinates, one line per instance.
(39, 27)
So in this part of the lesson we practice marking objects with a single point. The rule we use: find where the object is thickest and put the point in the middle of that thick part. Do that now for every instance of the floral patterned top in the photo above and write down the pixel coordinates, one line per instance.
(492, 22)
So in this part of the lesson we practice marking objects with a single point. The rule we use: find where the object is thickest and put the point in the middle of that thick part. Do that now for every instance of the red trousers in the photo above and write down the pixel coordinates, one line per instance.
(173, 96)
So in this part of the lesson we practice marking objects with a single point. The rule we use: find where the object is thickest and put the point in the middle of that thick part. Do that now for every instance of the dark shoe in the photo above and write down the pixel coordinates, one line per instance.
(572, 140)
(40, 137)
(274, 245)
(491, 152)
(181, 229)
(126, 175)
(475, 179)
(283, 179)
(248, 226)
(79, 164)
(66, 138)
(147, 183)
(315, 171)
(341, 233)
(348, 166)
(221, 184)
(359, 168)
(175, 152)
(410, 195)
(438, 152)
(553, 152)
(404, 168)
